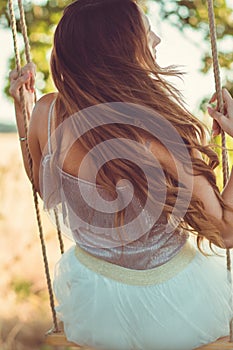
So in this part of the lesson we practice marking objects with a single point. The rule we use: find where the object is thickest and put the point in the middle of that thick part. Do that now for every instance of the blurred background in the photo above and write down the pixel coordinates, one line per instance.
(183, 27)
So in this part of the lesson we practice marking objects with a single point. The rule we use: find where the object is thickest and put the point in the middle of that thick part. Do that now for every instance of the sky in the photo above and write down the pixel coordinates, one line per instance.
(182, 49)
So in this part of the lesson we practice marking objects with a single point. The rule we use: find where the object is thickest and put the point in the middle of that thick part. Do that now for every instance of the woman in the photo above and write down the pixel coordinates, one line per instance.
(132, 280)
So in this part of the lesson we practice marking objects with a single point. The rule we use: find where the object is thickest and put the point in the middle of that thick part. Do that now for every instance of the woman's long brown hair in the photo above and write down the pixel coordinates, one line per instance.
(101, 55)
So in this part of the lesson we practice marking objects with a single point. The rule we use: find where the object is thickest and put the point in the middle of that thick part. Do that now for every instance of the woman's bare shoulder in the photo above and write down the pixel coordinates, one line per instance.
(39, 119)
(42, 105)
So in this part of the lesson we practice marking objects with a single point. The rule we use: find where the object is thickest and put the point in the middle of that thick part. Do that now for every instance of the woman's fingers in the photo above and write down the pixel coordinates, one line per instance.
(13, 75)
(16, 84)
(213, 98)
(216, 129)
(227, 99)
(31, 69)
(216, 115)
(228, 102)
(26, 79)
(224, 122)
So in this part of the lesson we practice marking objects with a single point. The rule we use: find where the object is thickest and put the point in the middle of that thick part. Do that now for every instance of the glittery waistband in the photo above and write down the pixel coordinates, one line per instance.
(124, 275)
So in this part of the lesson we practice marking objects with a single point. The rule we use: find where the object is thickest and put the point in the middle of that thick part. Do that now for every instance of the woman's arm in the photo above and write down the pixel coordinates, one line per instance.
(25, 81)
(198, 184)
(221, 121)
(201, 189)
(38, 134)
(37, 117)
(225, 122)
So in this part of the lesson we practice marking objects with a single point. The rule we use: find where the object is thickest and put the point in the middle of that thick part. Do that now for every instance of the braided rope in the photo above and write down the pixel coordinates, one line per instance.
(59, 234)
(24, 31)
(25, 116)
(218, 85)
(218, 89)
(28, 59)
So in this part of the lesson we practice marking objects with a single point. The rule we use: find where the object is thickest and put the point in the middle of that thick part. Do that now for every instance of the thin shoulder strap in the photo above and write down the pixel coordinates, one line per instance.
(49, 126)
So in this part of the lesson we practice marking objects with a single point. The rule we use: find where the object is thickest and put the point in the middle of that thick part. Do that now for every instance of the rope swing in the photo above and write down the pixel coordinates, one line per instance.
(56, 337)
(225, 167)
(25, 118)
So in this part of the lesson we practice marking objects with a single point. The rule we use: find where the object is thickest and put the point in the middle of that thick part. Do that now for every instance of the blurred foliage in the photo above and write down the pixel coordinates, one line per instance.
(22, 288)
(42, 17)
(186, 14)
(41, 21)
(194, 14)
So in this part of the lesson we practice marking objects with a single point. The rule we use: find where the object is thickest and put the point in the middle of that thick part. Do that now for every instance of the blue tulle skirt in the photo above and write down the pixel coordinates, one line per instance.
(186, 310)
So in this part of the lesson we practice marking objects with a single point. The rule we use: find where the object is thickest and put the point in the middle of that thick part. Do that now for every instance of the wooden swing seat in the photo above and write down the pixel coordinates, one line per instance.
(220, 344)
(59, 339)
